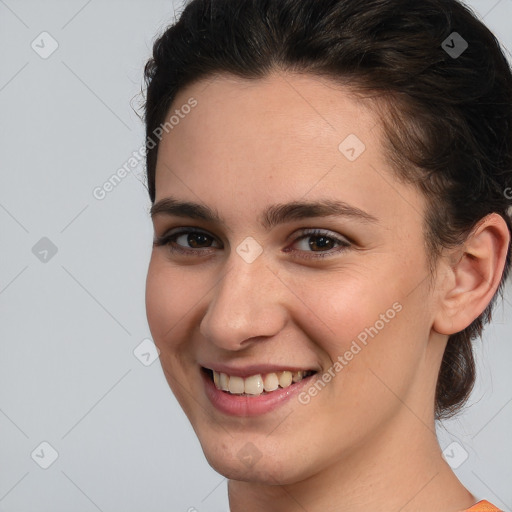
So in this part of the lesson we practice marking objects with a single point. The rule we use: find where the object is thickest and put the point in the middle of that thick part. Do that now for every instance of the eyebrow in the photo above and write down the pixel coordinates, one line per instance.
(274, 215)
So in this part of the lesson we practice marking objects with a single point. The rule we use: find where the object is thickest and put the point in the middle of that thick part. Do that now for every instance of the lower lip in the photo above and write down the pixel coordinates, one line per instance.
(237, 405)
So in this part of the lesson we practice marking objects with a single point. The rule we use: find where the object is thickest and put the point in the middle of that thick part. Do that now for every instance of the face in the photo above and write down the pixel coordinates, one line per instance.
(265, 287)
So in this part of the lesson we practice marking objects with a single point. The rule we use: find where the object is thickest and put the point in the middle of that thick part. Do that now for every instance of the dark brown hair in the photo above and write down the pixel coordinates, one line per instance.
(446, 109)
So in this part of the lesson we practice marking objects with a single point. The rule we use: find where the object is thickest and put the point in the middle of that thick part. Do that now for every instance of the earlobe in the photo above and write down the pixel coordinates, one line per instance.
(475, 275)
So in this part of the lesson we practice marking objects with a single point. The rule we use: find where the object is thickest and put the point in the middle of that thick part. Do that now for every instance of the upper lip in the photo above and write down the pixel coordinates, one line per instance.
(253, 369)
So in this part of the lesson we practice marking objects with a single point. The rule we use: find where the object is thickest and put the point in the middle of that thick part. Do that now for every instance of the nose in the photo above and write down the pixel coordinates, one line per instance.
(248, 303)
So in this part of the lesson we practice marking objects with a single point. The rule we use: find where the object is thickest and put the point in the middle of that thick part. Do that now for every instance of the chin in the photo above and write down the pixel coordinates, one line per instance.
(241, 460)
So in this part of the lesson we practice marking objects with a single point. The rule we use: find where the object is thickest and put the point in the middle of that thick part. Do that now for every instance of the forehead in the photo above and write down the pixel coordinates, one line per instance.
(278, 138)
(304, 110)
(288, 124)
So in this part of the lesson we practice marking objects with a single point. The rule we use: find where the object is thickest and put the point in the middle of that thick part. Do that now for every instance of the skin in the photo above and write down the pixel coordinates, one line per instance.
(367, 440)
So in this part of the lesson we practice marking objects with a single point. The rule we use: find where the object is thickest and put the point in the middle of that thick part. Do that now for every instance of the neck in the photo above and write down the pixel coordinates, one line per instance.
(401, 470)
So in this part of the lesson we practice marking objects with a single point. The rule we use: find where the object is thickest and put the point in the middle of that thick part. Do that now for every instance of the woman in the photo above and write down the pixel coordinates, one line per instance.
(379, 133)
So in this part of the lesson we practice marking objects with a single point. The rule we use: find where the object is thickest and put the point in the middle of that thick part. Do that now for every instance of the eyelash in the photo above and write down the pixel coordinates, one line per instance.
(170, 241)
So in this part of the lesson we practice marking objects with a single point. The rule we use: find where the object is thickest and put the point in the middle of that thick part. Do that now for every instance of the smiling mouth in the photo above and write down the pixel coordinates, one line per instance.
(256, 385)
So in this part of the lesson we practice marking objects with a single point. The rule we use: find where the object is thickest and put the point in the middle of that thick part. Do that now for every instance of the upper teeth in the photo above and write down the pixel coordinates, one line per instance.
(257, 384)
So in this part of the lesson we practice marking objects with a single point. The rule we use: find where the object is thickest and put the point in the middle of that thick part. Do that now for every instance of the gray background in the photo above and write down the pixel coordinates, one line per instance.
(69, 325)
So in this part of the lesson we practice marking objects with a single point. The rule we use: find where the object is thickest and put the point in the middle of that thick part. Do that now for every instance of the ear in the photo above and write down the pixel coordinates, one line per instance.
(473, 276)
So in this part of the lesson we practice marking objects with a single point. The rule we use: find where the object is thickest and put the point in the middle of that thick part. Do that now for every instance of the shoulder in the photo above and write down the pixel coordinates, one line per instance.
(483, 506)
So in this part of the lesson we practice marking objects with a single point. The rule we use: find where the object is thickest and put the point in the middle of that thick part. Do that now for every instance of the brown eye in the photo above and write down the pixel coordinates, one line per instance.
(321, 242)
(192, 242)
(195, 240)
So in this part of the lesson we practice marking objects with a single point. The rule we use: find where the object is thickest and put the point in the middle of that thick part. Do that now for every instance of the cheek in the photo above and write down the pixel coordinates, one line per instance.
(382, 338)
(344, 306)
(166, 299)
(368, 322)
